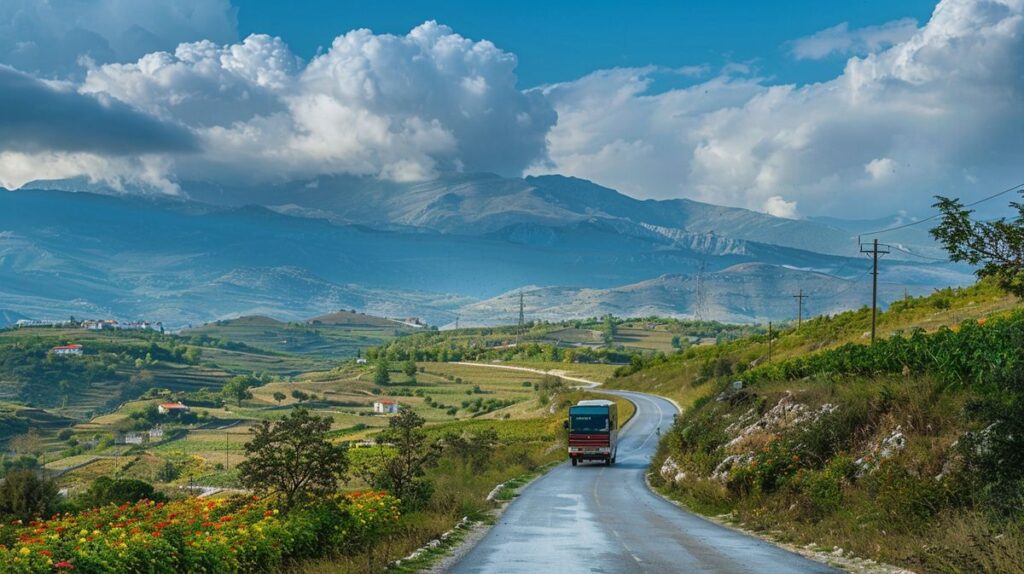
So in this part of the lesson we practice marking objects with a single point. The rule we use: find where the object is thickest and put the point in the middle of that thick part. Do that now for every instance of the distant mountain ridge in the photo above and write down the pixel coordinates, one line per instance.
(430, 250)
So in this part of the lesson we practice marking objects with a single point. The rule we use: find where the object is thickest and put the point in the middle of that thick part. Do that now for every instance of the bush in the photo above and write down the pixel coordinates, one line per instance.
(105, 490)
(25, 495)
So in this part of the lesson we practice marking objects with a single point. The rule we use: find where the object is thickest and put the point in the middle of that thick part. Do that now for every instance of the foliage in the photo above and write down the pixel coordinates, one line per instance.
(998, 246)
(292, 458)
(105, 490)
(24, 495)
(400, 472)
(237, 388)
(196, 535)
(381, 376)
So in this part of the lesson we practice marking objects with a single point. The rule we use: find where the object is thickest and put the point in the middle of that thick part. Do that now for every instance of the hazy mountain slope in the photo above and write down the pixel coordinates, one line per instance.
(474, 204)
(750, 292)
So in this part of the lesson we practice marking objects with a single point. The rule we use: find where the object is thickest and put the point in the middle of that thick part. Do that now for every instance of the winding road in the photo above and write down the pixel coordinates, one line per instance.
(594, 518)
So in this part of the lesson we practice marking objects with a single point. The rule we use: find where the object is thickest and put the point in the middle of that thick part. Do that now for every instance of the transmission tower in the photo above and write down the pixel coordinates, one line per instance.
(701, 310)
(522, 319)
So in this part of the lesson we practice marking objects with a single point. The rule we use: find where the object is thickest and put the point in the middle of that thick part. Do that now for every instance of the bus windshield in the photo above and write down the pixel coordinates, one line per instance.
(589, 423)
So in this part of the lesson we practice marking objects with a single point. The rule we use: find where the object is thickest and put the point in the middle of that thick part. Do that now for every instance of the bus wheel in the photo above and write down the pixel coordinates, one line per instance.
(574, 462)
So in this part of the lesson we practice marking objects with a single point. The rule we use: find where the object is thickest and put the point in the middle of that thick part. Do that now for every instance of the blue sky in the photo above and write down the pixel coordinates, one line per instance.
(563, 40)
(854, 109)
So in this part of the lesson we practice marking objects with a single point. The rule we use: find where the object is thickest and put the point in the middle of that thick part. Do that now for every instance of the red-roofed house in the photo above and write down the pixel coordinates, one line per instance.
(67, 350)
(385, 407)
(171, 408)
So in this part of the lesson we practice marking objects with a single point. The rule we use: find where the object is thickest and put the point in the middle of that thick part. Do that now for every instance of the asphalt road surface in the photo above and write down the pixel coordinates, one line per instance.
(594, 518)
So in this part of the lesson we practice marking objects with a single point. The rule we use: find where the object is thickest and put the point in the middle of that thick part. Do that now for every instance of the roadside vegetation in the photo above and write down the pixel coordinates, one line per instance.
(908, 451)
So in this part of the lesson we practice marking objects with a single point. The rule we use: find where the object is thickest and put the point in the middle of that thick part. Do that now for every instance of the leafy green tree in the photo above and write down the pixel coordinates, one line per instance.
(279, 396)
(167, 472)
(299, 395)
(25, 495)
(409, 368)
(381, 376)
(997, 246)
(292, 458)
(237, 388)
(401, 473)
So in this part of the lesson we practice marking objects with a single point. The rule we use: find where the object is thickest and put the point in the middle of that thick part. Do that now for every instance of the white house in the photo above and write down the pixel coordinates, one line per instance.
(360, 360)
(386, 407)
(67, 350)
(133, 438)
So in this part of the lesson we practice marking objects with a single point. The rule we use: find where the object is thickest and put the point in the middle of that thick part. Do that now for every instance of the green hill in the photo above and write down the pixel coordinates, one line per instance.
(908, 451)
(338, 335)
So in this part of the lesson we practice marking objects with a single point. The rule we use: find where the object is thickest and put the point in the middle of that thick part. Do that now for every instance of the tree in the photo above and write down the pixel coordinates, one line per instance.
(409, 368)
(293, 459)
(400, 472)
(299, 395)
(25, 495)
(380, 373)
(167, 472)
(237, 388)
(998, 246)
(279, 396)
(609, 330)
(193, 355)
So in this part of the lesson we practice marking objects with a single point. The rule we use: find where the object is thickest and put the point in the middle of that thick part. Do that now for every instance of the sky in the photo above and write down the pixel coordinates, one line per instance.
(849, 109)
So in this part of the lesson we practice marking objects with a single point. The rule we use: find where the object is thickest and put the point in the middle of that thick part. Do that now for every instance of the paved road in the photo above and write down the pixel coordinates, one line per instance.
(594, 518)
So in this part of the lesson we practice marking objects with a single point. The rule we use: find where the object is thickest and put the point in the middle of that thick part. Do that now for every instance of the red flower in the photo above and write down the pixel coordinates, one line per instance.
(64, 565)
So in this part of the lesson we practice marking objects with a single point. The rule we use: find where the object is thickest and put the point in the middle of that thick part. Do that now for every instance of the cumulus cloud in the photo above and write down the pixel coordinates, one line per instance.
(397, 107)
(840, 39)
(50, 38)
(941, 112)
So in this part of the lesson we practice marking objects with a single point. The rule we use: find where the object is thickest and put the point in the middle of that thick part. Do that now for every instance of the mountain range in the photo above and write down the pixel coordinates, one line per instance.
(462, 245)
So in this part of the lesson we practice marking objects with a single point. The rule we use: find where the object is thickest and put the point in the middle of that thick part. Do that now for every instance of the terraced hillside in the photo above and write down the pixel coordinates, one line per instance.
(337, 335)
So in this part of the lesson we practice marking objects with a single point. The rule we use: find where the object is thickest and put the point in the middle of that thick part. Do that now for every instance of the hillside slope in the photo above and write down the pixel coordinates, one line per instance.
(907, 451)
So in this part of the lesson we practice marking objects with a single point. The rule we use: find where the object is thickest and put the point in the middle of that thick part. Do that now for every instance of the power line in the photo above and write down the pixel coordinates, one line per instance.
(928, 257)
(937, 215)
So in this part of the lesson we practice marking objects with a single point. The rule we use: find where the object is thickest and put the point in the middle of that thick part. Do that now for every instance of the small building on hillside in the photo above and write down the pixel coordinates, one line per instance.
(133, 438)
(66, 350)
(386, 407)
(171, 408)
(360, 360)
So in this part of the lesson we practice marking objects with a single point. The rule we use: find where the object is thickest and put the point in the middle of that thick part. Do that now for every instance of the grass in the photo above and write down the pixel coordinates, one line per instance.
(806, 459)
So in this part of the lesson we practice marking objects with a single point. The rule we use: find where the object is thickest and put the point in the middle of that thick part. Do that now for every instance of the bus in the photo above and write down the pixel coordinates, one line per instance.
(593, 431)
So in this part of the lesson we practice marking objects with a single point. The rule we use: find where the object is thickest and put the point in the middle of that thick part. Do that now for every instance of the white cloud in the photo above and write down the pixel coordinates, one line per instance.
(947, 102)
(776, 205)
(50, 37)
(840, 39)
(396, 107)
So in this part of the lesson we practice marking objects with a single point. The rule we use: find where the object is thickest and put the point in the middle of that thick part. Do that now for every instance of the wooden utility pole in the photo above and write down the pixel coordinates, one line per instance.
(799, 307)
(874, 250)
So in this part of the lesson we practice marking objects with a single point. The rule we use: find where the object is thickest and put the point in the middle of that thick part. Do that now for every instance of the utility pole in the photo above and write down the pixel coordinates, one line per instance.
(875, 249)
(769, 342)
(799, 308)
(456, 322)
(522, 319)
